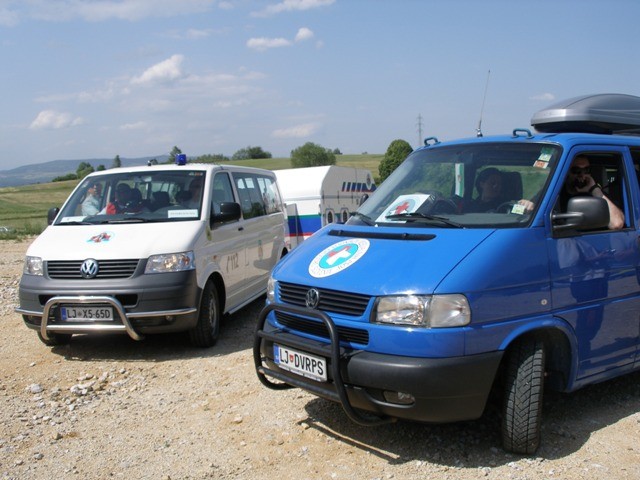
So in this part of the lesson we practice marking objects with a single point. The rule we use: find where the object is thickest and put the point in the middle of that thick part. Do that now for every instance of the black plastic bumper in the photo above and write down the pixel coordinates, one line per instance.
(442, 389)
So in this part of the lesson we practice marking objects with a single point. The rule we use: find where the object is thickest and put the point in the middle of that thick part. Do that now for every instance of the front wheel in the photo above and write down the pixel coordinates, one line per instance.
(207, 330)
(524, 384)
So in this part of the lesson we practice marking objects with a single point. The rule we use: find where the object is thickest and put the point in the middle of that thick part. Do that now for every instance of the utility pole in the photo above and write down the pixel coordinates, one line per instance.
(419, 130)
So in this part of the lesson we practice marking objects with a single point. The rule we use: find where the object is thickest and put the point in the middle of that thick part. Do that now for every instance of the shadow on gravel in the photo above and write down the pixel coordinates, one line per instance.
(568, 422)
(236, 335)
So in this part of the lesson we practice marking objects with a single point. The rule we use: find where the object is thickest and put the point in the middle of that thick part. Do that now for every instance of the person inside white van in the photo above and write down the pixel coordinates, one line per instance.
(91, 203)
(579, 182)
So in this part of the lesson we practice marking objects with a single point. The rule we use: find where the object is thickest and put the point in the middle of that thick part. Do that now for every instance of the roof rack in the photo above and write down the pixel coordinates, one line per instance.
(607, 113)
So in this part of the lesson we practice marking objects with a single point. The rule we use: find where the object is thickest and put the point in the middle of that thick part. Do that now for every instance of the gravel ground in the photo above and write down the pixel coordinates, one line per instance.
(109, 407)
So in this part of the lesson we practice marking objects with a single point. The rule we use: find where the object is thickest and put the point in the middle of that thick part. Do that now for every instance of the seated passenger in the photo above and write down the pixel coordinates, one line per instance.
(489, 186)
(579, 182)
(127, 200)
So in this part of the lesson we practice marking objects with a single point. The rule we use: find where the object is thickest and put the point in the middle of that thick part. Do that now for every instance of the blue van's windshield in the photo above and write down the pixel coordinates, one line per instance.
(153, 196)
(476, 185)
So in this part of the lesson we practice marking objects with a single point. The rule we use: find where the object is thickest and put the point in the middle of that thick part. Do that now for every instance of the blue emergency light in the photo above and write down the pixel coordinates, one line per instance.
(181, 159)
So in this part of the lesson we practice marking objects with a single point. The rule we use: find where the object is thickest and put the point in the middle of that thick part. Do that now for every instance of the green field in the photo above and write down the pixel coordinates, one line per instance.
(24, 209)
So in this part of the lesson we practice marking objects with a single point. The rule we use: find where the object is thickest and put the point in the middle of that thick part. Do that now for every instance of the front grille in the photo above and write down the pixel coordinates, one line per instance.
(319, 329)
(70, 269)
(330, 300)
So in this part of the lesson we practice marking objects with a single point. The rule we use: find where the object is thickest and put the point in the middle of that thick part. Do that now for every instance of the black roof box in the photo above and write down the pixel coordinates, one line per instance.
(602, 113)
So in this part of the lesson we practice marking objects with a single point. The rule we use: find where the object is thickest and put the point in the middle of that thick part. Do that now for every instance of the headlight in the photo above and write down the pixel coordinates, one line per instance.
(33, 266)
(271, 290)
(436, 311)
(170, 262)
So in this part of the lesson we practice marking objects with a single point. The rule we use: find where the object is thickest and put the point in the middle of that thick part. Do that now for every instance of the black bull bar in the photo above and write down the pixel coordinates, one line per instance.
(340, 394)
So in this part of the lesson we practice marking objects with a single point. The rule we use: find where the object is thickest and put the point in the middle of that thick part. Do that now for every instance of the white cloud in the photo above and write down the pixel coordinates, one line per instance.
(547, 97)
(133, 126)
(262, 44)
(292, 5)
(52, 120)
(167, 70)
(8, 17)
(298, 131)
(304, 34)
(101, 10)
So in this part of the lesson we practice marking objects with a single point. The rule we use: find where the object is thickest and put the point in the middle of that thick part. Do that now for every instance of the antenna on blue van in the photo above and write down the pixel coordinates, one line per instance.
(486, 86)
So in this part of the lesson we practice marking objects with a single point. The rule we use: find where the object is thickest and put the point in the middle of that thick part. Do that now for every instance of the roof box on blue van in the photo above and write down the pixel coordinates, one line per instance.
(602, 113)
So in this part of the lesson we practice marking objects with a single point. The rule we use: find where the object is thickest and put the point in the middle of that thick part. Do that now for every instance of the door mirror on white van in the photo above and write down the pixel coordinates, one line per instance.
(52, 214)
(229, 212)
(583, 213)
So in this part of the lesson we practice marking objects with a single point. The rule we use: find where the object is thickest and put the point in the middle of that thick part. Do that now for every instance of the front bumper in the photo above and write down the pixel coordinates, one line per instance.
(142, 304)
(442, 389)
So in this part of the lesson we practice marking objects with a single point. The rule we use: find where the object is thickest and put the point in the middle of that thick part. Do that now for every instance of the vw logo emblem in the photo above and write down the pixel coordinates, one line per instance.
(312, 298)
(89, 268)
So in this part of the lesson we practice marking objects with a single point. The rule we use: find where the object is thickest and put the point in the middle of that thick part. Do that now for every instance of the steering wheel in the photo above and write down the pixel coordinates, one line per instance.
(506, 207)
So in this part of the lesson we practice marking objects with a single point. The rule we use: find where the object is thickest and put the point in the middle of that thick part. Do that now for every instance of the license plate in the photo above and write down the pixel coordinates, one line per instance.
(300, 363)
(83, 314)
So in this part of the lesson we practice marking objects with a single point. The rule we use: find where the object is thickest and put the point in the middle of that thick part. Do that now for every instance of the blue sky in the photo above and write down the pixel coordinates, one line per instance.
(94, 79)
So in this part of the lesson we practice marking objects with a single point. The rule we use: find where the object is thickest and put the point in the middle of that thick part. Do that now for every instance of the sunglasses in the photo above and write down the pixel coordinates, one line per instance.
(579, 170)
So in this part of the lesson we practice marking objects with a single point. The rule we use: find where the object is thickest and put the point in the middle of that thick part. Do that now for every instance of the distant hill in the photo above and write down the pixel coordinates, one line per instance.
(45, 172)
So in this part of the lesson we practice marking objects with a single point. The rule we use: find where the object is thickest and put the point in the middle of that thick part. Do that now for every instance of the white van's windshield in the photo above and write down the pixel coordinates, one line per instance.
(154, 196)
(479, 185)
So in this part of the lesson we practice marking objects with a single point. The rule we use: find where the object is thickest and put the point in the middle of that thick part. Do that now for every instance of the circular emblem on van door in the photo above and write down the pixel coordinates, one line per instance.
(338, 257)
(89, 268)
(312, 298)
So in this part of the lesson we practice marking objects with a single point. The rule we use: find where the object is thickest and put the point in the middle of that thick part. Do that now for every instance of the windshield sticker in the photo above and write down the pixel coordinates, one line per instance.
(544, 158)
(101, 237)
(338, 257)
(190, 213)
(403, 204)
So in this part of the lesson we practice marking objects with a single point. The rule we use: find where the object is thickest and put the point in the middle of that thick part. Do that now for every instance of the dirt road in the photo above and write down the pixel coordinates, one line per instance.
(110, 407)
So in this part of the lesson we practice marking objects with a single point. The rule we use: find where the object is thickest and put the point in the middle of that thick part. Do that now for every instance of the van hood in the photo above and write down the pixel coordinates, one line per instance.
(378, 261)
(114, 241)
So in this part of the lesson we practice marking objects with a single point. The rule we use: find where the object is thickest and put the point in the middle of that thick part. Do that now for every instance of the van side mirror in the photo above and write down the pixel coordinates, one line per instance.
(583, 213)
(363, 198)
(229, 212)
(52, 214)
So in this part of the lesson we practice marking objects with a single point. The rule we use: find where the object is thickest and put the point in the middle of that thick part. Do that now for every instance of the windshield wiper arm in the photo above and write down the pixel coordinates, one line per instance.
(423, 217)
(364, 218)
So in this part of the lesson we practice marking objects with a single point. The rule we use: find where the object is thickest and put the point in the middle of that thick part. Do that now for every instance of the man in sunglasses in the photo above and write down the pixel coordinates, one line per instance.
(580, 182)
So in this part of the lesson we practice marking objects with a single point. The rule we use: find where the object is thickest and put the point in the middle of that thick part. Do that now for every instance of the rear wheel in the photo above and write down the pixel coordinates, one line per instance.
(524, 384)
(207, 330)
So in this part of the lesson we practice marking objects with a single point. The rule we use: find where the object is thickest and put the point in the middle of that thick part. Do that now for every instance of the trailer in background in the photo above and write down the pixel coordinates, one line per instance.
(318, 196)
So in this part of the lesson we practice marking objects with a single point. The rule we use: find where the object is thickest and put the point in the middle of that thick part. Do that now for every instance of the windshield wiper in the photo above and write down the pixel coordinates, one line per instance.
(364, 218)
(127, 220)
(423, 217)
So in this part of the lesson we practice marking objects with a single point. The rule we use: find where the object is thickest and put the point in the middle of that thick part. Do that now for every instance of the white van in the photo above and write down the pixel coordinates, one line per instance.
(154, 249)
(318, 196)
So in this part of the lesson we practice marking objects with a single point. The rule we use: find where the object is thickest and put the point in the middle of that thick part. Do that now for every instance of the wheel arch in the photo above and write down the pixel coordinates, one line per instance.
(560, 351)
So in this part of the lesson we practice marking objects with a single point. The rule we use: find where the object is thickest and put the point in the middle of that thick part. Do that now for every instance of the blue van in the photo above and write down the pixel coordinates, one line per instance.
(506, 264)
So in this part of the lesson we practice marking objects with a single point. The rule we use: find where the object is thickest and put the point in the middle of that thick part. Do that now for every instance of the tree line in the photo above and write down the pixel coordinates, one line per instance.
(307, 155)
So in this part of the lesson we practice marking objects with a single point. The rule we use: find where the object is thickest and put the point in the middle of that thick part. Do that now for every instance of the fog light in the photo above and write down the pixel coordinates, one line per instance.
(399, 398)
(170, 318)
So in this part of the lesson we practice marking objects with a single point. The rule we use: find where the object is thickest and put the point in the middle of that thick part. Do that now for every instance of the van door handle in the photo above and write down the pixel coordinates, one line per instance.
(240, 229)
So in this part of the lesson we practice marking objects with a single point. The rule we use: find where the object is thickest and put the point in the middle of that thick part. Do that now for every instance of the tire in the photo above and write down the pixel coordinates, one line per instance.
(55, 339)
(523, 391)
(207, 330)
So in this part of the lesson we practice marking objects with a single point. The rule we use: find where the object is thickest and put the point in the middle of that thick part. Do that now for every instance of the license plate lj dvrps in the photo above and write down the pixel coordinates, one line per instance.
(300, 363)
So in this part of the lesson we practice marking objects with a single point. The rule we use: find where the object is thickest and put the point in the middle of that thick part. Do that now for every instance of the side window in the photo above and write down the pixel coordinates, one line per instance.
(250, 196)
(598, 174)
(270, 197)
(221, 192)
